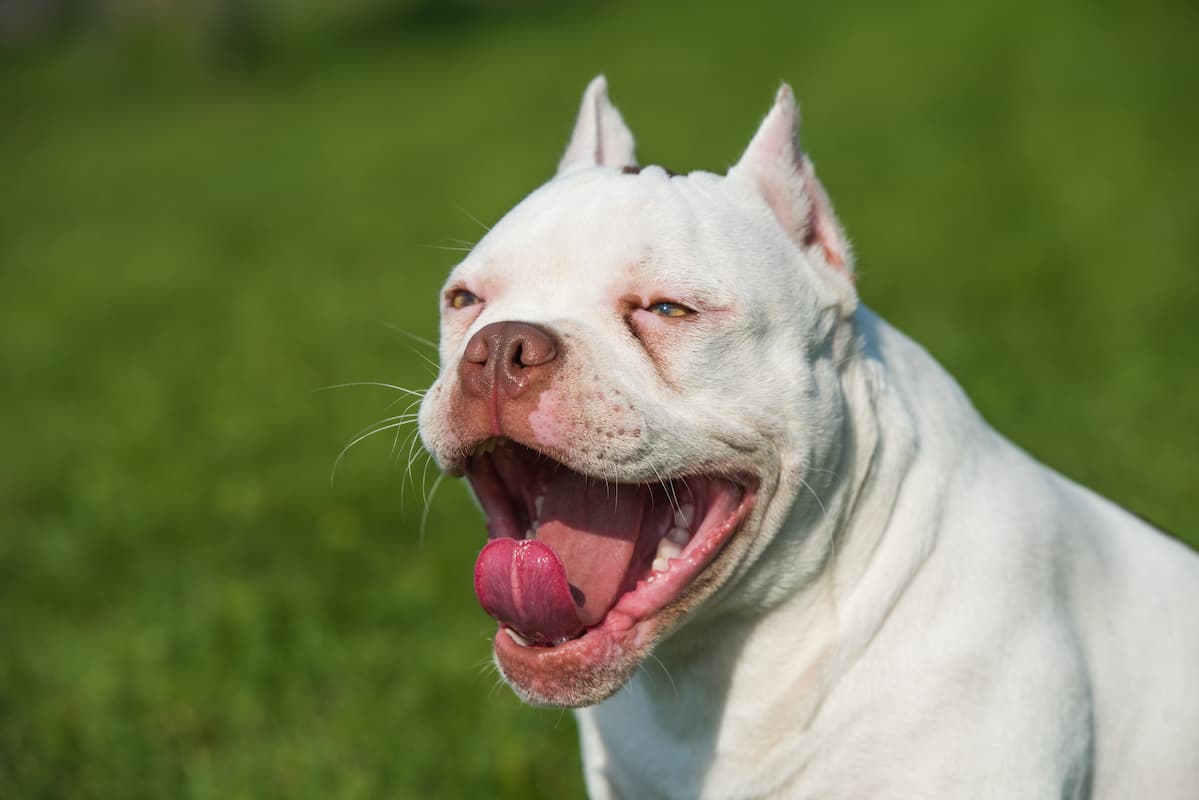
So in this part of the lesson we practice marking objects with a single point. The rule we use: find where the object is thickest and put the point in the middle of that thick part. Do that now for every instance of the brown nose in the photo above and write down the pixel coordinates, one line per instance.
(509, 359)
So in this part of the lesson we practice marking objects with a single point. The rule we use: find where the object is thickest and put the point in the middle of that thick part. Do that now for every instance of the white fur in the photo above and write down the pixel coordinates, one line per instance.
(916, 608)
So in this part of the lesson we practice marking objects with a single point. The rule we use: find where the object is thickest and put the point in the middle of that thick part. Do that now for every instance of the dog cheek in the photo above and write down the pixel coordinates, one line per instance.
(429, 417)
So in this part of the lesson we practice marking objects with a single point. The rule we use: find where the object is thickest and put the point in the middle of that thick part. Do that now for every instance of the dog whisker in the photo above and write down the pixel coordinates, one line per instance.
(403, 418)
(367, 432)
(832, 472)
(819, 502)
(667, 489)
(407, 409)
(395, 443)
(418, 339)
(435, 366)
(418, 393)
(406, 478)
(665, 672)
(409, 450)
(424, 517)
(473, 218)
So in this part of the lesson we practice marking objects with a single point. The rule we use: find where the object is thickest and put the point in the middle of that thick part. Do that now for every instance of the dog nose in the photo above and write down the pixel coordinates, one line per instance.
(508, 358)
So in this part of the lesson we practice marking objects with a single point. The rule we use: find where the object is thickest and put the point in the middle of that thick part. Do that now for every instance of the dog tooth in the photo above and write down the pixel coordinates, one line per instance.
(660, 565)
(684, 516)
(679, 536)
(516, 637)
(668, 549)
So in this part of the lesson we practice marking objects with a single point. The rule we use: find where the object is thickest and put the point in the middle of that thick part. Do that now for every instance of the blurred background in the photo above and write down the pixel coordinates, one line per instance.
(211, 209)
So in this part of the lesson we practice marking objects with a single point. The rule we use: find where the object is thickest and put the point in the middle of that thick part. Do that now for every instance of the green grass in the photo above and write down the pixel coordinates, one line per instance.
(188, 251)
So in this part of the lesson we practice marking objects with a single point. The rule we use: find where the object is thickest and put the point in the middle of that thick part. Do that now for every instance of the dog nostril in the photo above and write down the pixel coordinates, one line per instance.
(477, 350)
(533, 351)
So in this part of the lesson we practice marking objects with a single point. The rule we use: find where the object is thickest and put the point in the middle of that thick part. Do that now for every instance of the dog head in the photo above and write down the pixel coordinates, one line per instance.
(638, 374)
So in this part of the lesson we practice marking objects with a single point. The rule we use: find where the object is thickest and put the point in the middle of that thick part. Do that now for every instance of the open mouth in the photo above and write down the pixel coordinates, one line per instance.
(568, 553)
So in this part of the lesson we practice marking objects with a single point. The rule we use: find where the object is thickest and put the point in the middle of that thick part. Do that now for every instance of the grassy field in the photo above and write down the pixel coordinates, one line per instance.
(190, 246)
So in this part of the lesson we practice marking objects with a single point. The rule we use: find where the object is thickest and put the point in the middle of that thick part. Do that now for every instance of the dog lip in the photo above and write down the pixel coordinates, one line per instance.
(627, 627)
(457, 462)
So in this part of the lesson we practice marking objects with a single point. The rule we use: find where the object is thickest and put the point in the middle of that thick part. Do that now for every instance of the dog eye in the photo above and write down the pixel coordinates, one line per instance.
(667, 309)
(461, 298)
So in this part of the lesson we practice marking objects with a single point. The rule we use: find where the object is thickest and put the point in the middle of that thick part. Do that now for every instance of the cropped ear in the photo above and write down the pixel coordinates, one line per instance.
(779, 171)
(600, 138)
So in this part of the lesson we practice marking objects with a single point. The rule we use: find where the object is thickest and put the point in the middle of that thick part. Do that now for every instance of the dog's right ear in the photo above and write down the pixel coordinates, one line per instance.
(600, 138)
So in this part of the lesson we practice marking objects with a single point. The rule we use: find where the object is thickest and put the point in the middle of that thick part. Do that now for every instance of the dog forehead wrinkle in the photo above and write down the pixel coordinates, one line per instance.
(573, 209)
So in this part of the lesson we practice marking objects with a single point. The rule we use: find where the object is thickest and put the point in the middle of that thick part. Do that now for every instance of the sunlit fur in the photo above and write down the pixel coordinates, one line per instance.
(916, 608)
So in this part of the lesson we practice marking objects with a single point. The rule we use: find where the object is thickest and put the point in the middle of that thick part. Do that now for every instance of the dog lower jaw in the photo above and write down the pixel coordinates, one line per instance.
(589, 669)
(579, 672)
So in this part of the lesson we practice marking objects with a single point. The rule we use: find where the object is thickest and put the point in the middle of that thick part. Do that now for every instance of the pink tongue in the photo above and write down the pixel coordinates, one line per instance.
(523, 584)
(550, 588)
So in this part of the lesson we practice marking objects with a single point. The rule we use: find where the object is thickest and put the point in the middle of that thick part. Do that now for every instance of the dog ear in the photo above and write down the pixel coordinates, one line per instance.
(777, 168)
(600, 138)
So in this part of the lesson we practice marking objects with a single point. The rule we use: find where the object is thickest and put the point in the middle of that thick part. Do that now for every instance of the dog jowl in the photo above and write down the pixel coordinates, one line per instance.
(689, 438)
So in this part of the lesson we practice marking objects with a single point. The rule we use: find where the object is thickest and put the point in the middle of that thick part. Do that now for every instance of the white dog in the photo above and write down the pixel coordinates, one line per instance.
(694, 445)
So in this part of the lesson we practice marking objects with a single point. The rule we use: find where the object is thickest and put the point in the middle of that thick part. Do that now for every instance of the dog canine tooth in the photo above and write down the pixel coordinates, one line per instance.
(659, 565)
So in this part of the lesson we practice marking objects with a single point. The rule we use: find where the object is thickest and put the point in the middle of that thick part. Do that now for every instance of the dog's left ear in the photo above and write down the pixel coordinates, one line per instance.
(774, 164)
(600, 138)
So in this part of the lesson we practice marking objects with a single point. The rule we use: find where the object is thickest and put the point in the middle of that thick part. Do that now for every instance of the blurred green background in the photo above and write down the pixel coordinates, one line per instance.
(210, 210)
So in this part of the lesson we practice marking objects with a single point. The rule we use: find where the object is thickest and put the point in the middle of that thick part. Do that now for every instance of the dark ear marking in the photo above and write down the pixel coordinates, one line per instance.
(634, 169)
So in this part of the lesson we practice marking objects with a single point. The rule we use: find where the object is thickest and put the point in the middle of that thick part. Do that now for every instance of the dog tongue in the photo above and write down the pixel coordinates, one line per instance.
(550, 588)
(523, 584)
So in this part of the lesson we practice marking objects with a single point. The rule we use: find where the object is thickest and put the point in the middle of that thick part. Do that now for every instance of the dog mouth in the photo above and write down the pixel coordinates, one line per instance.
(570, 555)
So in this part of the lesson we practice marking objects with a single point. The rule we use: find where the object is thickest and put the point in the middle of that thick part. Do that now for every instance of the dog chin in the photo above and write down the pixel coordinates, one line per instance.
(577, 673)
